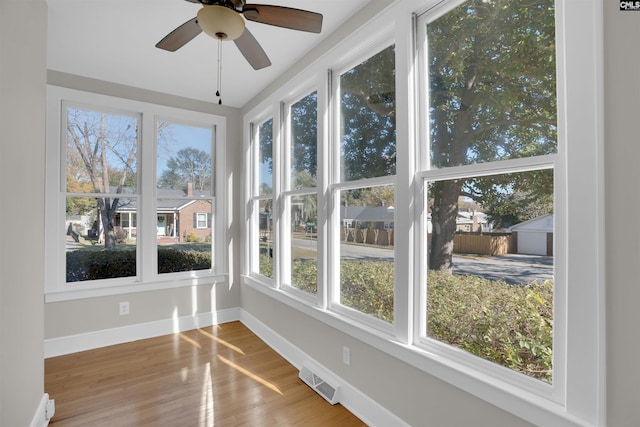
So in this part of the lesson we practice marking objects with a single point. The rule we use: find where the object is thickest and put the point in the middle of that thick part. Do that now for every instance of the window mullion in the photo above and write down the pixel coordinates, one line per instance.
(147, 224)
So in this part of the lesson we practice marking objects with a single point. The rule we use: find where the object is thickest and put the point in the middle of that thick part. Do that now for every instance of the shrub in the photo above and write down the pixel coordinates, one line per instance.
(92, 264)
(173, 260)
(506, 324)
(367, 286)
(121, 235)
(304, 275)
(192, 237)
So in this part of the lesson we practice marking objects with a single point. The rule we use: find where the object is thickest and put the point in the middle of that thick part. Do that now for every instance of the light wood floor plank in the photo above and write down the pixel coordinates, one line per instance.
(218, 376)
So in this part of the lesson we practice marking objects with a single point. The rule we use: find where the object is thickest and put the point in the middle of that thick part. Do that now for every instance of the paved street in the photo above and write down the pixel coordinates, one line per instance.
(512, 268)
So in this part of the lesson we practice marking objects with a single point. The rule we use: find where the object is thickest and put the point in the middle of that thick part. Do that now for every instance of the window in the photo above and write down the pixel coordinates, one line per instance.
(491, 87)
(262, 184)
(101, 151)
(185, 196)
(122, 197)
(201, 220)
(364, 188)
(300, 196)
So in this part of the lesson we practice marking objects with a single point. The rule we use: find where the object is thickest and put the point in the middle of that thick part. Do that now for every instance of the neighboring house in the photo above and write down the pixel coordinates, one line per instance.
(472, 222)
(377, 217)
(179, 215)
(534, 237)
(467, 221)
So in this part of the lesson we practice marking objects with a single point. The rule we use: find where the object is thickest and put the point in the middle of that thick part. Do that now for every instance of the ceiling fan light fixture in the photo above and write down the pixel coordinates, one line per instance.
(220, 22)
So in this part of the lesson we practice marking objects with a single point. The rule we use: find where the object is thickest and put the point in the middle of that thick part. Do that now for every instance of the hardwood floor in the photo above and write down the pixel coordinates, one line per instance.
(218, 376)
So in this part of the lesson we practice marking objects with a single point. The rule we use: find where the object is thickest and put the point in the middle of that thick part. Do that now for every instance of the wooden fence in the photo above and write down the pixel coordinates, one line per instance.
(372, 237)
(485, 244)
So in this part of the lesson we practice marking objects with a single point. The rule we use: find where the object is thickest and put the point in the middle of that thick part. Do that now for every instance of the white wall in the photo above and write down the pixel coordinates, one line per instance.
(23, 29)
(622, 181)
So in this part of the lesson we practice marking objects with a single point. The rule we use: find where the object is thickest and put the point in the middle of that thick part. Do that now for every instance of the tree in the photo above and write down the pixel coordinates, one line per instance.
(102, 143)
(368, 131)
(304, 141)
(492, 97)
(189, 165)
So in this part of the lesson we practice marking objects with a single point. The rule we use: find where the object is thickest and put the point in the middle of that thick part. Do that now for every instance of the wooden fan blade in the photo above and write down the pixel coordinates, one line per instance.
(252, 51)
(180, 36)
(285, 17)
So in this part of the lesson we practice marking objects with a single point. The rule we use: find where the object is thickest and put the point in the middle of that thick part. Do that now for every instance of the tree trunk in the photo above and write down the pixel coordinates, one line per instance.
(443, 220)
(107, 212)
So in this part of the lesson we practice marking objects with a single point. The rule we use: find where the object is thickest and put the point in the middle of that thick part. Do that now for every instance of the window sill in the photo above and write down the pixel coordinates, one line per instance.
(75, 292)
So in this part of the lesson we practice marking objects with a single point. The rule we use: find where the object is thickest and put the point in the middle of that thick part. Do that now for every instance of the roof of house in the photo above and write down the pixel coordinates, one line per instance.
(170, 200)
(540, 223)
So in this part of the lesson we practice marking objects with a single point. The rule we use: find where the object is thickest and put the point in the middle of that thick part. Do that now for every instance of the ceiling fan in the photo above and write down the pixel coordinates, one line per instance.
(223, 20)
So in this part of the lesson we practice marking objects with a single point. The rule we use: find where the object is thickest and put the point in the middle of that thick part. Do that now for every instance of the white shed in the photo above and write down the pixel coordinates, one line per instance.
(535, 236)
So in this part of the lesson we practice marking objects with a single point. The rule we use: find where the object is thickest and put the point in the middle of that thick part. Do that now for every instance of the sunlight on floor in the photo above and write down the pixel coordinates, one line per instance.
(190, 340)
(250, 374)
(221, 341)
(206, 399)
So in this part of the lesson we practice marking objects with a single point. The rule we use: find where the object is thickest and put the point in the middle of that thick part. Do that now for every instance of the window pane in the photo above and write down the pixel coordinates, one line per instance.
(366, 250)
(184, 160)
(304, 243)
(490, 278)
(88, 257)
(368, 120)
(492, 82)
(101, 152)
(185, 184)
(265, 148)
(304, 142)
(184, 235)
(265, 238)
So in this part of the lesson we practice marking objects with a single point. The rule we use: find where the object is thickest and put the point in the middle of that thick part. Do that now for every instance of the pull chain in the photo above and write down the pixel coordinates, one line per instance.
(219, 71)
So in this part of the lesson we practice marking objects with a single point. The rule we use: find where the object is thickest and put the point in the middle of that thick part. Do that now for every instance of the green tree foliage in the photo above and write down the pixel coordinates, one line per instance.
(492, 97)
(265, 142)
(509, 199)
(189, 165)
(304, 141)
(368, 128)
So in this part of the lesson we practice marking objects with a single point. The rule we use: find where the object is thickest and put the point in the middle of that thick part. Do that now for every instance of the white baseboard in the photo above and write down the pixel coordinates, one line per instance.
(41, 417)
(369, 411)
(88, 341)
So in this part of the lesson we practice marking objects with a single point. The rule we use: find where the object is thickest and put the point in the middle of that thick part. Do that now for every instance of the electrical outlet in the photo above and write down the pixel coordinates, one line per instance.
(346, 356)
(124, 308)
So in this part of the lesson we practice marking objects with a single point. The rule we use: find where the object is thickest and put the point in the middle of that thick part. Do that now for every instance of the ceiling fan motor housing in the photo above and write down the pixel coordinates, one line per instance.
(221, 22)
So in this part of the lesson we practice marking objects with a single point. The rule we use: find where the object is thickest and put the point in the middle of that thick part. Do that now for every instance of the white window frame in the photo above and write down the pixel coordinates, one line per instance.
(384, 38)
(199, 220)
(251, 262)
(577, 396)
(287, 193)
(426, 173)
(147, 276)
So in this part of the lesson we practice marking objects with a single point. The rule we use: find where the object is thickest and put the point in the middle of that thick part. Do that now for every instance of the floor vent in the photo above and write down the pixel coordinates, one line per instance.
(324, 386)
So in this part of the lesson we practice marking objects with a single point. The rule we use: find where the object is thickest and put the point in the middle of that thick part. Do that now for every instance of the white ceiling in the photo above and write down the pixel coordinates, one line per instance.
(114, 41)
